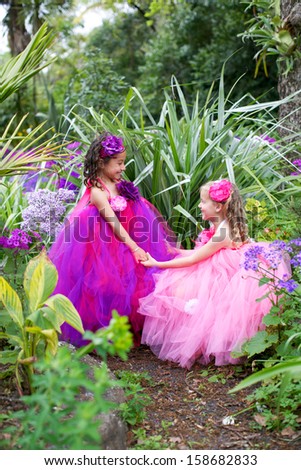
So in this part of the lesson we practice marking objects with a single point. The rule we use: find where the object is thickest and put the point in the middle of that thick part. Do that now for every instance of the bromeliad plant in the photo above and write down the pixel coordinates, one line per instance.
(272, 35)
(30, 328)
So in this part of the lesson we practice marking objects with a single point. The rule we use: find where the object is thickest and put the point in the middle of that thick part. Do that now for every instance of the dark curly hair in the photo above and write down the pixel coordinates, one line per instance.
(91, 165)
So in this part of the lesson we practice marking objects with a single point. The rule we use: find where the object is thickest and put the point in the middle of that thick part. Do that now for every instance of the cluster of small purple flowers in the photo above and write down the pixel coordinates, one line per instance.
(46, 210)
(252, 258)
(262, 259)
(20, 240)
(288, 284)
(297, 163)
(32, 178)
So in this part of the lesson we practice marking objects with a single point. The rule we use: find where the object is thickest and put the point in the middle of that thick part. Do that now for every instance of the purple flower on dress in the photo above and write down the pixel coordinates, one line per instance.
(128, 190)
(111, 145)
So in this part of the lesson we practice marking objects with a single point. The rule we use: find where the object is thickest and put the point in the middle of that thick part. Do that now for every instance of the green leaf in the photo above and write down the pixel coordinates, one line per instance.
(40, 279)
(51, 339)
(8, 357)
(264, 280)
(66, 311)
(45, 318)
(272, 320)
(259, 343)
(292, 367)
(11, 302)
(21, 68)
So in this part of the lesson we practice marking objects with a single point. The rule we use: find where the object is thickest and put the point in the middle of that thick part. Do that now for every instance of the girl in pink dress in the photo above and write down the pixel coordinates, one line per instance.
(97, 253)
(204, 305)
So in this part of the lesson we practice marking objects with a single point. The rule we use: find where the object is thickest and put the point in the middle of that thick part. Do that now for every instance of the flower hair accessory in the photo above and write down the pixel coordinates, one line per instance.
(220, 191)
(111, 145)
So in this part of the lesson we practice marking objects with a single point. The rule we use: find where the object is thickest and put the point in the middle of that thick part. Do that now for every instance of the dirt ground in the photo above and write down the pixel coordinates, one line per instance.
(187, 408)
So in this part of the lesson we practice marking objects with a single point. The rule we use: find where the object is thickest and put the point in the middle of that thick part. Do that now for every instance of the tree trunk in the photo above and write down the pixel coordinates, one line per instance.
(290, 113)
(18, 37)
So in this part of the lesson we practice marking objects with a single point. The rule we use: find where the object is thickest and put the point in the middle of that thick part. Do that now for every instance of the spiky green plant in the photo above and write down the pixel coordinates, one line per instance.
(170, 159)
(16, 154)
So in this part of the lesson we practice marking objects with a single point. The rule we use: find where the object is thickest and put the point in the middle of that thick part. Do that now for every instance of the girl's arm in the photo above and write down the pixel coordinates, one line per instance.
(100, 200)
(198, 255)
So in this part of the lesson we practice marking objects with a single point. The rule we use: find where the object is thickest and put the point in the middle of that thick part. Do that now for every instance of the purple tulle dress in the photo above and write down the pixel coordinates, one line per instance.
(98, 272)
(206, 311)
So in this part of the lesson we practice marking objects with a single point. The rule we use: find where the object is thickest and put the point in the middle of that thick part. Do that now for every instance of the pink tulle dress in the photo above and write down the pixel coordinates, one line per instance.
(204, 312)
(98, 272)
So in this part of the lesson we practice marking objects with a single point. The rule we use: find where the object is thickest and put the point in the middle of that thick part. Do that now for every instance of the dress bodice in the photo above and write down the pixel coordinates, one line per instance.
(118, 203)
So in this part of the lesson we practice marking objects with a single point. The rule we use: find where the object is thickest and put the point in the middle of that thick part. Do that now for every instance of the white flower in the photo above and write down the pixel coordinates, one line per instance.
(189, 306)
(228, 420)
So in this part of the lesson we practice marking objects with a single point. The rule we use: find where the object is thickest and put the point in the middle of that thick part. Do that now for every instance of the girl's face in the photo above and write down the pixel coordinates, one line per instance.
(114, 167)
(208, 207)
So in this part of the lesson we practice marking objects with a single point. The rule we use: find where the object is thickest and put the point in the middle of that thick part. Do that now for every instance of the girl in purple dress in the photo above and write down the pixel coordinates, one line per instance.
(98, 252)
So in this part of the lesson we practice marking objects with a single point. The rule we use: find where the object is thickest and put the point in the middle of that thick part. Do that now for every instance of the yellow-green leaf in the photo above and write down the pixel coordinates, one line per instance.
(65, 309)
(11, 302)
(40, 280)
(51, 338)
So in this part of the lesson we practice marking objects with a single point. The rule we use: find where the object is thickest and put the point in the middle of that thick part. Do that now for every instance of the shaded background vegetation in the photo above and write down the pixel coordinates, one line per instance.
(187, 39)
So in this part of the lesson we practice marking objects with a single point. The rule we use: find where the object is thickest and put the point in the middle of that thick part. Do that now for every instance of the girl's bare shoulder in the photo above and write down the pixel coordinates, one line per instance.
(98, 194)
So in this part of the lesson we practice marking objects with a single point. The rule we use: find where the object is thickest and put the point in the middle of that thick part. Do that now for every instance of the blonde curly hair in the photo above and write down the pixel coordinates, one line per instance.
(234, 212)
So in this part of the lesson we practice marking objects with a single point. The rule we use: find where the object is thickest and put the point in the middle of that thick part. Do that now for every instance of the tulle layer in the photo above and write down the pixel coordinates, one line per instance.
(206, 311)
(98, 273)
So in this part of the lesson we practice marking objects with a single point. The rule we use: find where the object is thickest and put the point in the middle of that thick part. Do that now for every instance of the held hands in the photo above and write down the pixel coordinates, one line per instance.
(139, 255)
(149, 262)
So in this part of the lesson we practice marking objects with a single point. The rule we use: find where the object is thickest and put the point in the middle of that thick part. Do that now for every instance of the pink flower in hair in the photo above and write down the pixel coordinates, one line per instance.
(220, 191)
(111, 145)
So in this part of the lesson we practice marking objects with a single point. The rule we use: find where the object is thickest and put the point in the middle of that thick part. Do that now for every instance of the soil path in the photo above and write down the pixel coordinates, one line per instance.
(187, 408)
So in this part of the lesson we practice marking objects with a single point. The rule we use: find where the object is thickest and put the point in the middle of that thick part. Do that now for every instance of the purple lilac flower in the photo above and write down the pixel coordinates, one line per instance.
(128, 190)
(46, 210)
